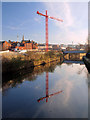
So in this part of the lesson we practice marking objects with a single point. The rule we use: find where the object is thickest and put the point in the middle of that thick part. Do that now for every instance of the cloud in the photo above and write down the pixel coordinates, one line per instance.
(37, 19)
(14, 27)
(79, 36)
(19, 26)
(72, 28)
(62, 11)
(68, 15)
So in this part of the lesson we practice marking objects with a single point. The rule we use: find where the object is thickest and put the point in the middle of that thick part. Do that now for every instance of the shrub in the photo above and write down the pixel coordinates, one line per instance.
(49, 54)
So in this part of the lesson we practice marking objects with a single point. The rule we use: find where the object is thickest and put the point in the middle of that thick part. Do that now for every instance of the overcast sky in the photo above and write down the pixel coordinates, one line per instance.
(21, 18)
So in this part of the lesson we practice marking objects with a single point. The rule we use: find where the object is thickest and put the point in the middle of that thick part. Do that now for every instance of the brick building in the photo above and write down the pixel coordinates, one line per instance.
(6, 45)
(23, 45)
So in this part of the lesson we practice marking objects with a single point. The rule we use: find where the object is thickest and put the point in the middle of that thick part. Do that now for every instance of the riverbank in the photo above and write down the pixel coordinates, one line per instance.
(86, 60)
(29, 60)
(19, 76)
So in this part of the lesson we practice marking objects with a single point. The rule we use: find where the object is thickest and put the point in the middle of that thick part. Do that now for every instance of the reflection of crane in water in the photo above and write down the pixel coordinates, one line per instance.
(47, 95)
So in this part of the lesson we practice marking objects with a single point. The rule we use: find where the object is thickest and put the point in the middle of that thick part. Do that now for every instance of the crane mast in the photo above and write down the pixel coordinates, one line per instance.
(46, 31)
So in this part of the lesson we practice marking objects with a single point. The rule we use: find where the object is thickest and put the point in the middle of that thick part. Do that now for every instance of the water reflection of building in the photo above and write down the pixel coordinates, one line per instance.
(47, 91)
(73, 61)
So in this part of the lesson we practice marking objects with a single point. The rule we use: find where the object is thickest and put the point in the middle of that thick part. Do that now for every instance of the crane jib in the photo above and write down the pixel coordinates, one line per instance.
(46, 15)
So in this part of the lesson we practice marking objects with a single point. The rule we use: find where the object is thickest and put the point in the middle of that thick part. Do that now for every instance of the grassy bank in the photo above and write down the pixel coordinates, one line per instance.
(29, 59)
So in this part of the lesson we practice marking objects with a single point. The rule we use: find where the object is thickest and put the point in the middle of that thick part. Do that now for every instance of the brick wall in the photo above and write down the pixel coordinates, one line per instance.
(6, 45)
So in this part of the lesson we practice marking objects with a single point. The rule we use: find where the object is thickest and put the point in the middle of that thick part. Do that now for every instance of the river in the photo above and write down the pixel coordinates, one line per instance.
(52, 91)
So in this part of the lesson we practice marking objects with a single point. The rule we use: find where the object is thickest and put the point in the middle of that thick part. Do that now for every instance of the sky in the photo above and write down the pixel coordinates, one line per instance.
(20, 18)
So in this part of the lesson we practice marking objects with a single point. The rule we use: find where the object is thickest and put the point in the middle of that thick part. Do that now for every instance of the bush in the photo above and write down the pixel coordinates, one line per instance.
(16, 64)
(49, 54)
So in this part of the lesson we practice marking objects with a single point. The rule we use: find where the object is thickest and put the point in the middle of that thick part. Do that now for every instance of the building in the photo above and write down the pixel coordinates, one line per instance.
(0, 46)
(55, 47)
(6, 45)
(26, 45)
(23, 45)
(43, 46)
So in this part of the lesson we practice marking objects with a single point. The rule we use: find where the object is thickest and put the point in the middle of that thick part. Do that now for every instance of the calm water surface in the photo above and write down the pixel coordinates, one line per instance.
(54, 91)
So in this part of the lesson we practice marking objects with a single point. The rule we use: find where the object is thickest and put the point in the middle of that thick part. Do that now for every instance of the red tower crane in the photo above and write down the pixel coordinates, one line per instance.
(47, 25)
